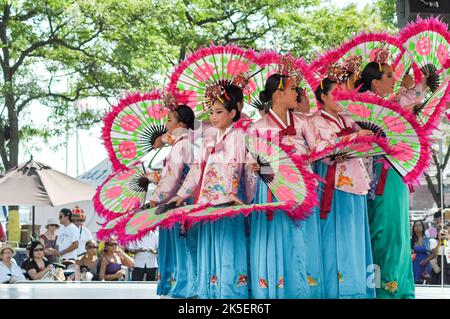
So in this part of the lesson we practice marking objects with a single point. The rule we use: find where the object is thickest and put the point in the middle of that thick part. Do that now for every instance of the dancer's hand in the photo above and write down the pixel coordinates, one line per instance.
(364, 133)
(152, 203)
(177, 200)
(254, 167)
(158, 142)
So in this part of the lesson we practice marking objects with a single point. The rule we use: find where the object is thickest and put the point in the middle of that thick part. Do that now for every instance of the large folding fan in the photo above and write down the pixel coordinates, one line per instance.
(132, 127)
(358, 147)
(214, 64)
(123, 191)
(365, 45)
(408, 141)
(428, 43)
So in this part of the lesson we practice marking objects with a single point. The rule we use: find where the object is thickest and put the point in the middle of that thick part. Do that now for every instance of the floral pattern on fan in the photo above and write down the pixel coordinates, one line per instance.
(132, 126)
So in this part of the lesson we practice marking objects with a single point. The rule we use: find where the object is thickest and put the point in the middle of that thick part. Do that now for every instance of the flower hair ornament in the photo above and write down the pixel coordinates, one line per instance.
(170, 101)
(381, 56)
(214, 92)
(287, 67)
(341, 72)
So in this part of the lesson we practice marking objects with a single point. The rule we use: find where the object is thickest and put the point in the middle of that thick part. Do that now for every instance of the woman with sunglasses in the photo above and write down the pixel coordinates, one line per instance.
(89, 262)
(48, 239)
(112, 261)
(37, 266)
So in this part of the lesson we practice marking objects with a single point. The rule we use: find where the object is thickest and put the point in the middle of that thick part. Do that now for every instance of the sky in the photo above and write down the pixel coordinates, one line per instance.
(91, 150)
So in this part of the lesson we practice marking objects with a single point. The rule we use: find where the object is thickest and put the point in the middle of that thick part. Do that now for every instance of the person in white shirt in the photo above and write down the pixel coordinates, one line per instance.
(145, 258)
(84, 234)
(9, 271)
(67, 241)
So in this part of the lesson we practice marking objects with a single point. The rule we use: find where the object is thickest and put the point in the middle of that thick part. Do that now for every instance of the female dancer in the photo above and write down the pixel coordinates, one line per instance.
(177, 248)
(347, 254)
(285, 255)
(221, 250)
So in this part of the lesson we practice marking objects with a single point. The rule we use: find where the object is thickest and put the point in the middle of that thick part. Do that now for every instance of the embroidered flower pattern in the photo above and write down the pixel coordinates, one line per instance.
(263, 283)
(391, 286)
(213, 280)
(242, 280)
(172, 279)
(343, 180)
(340, 277)
(280, 284)
(312, 282)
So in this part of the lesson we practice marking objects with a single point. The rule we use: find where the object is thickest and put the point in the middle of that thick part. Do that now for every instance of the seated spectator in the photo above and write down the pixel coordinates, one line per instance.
(9, 271)
(89, 262)
(420, 245)
(112, 261)
(49, 238)
(37, 266)
(145, 257)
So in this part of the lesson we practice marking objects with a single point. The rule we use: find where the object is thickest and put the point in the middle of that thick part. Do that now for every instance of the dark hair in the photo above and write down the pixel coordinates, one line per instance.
(437, 214)
(414, 238)
(32, 247)
(184, 114)
(371, 72)
(323, 88)
(231, 97)
(67, 212)
(271, 87)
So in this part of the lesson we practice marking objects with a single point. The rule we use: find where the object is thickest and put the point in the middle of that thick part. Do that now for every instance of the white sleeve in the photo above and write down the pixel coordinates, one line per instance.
(74, 234)
(4, 277)
(433, 243)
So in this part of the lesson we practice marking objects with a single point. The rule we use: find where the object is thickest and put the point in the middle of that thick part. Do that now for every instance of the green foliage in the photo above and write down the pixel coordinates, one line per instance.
(57, 52)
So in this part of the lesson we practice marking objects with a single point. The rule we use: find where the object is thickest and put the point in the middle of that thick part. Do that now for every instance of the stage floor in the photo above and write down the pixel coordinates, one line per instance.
(128, 291)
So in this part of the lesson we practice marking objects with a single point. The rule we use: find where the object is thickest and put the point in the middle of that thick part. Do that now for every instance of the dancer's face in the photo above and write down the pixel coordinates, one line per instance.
(288, 96)
(385, 85)
(221, 118)
(173, 122)
(329, 104)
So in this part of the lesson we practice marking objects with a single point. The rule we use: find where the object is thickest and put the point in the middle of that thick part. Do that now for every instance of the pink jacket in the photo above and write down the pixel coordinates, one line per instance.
(220, 172)
(180, 154)
(351, 175)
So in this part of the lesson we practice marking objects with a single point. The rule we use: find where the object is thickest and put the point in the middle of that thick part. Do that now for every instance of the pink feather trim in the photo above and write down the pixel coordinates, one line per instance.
(434, 24)
(321, 64)
(109, 119)
(203, 53)
(425, 156)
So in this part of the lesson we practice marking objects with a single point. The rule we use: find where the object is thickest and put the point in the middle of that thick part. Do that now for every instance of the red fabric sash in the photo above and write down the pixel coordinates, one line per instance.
(381, 181)
(327, 198)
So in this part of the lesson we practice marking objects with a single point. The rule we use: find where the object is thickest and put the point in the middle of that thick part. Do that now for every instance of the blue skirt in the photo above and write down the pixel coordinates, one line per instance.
(278, 267)
(347, 262)
(177, 263)
(222, 259)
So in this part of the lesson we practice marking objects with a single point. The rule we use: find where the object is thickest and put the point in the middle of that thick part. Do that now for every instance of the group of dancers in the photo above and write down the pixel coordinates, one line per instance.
(305, 195)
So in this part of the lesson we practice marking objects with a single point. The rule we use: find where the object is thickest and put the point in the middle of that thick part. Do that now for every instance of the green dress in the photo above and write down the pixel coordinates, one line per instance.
(390, 237)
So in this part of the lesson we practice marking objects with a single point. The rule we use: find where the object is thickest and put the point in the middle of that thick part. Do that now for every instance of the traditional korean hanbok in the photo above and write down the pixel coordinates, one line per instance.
(389, 221)
(285, 255)
(346, 248)
(177, 248)
(222, 265)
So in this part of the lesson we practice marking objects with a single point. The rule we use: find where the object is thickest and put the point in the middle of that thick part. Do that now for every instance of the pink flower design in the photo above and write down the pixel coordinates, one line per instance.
(235, 67)
(127, 149)
(442, 54)
(359, 110)
(394, 124)
(157, 112)
(288, 173)
(250, 87)
(204, 72)
(131, 203)
(423, 46)
(403, 152)
(263, 283)
(113, 192)
(242, 280)
(284, 193)
(129, 123)
(213, 280)
(399, 71)
(125, 174)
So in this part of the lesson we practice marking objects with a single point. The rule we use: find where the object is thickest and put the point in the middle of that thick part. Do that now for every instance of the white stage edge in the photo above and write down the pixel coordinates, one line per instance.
(129, 291)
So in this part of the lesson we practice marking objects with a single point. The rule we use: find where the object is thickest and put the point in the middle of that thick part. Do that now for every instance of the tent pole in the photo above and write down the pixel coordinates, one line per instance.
(32, 223)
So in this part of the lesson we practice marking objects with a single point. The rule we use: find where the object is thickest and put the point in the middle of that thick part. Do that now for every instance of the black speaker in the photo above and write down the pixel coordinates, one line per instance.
(408, 10)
